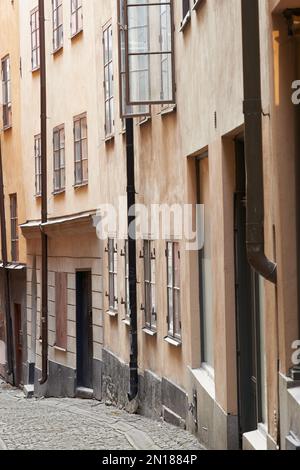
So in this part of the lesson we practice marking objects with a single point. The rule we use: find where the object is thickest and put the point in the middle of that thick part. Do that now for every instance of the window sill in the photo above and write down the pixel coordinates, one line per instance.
(7, 128)
(173, 341)
(35, 70)
(196, 5)
(168, 110)
(59, 192)
(149, 331)
(57, 348)
(109, 138)
(76, 35)
(80, 185)
(145, 120)
(126, 321)
(186, 20)
(112, 314)
(57, 51)
(38, 197)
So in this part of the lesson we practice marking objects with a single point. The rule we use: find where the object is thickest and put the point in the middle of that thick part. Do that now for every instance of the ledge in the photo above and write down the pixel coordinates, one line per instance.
(57, 348)
(112, 314)
(186, 20)
(173, 342)
(205, 380)
(255, 440)
(126, 321)
(149, 331)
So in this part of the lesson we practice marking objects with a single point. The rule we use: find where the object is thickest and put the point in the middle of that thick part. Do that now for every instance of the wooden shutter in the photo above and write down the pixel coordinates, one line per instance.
(61, 307)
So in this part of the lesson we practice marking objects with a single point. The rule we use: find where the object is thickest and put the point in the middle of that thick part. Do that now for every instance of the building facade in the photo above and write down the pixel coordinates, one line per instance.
(13, 256)
(217, 343)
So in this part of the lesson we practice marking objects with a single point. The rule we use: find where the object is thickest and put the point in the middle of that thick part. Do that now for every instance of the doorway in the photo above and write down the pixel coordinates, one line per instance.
(84, 329)
(18, 337)
(248, 314)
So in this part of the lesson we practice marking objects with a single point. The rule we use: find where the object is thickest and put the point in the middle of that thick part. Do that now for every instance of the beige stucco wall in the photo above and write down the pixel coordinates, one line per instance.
(10, 139)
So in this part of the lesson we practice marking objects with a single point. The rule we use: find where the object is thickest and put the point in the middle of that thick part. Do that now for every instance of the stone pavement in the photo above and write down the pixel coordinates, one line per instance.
(72, 424)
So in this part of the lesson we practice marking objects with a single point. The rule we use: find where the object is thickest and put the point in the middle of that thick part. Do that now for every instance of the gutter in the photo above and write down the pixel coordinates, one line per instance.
(133, 364)
(254, 143)
(44, 209)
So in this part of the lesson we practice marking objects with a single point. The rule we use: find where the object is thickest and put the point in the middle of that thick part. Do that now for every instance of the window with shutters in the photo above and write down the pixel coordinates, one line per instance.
(112, 275)
(57, 19)
(173, 290)
(80, 150)
(76, 17)
(61, 309)
(149, 285)
(108, 81)
(59, 159)
(14, 228)
(127, 291)
(35, 39)
(38, 165)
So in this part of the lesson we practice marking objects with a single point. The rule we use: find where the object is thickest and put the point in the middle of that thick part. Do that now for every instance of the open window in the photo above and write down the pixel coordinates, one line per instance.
(126, 110)
(149, 52)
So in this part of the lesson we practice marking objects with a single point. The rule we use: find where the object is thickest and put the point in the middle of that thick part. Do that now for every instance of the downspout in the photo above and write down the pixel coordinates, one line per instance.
(255, 239)
(44, 209)
(9, 328)
(133, 364)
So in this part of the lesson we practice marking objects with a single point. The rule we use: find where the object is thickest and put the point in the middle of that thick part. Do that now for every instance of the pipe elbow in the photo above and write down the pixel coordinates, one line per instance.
(262, 265)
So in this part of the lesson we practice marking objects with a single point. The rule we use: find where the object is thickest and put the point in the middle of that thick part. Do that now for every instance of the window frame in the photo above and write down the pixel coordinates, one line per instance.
(112, 250)
(6, 92)
(38, 164)
(108, 85)
(172, 316)
(150, 310)
(75, 14)
(14, 232)
(35, 33)
(84, 181)
(57, 27)
(59, 151)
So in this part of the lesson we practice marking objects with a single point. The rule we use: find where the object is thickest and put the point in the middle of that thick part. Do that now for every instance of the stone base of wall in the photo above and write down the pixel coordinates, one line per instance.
(158, 398)
(216, 429)
(61, 382)
(289, 394)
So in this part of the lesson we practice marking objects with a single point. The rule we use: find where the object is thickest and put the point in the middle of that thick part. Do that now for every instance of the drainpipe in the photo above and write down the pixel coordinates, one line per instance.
(9, 329)
(133, 365)
(44, 211)
(254, 142)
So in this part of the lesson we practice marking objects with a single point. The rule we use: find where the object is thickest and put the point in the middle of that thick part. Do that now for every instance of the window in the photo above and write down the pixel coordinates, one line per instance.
(61, 308)
(59, 158)
(126, 110)
(112, 275)
(57, 16)
(38, 165)
(14, 229)
(149, 43)
(76, 17)
(6, 92)
(149, 280)
(108, 81)
(127, 291)
(35, 39)
(81, 150)
(205, 263)
(173, 287)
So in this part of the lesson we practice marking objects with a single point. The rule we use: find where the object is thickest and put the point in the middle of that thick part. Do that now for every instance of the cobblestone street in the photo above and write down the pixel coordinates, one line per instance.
(70, 424)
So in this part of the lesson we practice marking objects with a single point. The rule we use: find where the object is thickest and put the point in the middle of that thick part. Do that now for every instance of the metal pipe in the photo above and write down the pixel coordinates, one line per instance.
(255, 239)
(44, 208)
(133, 365)
(9, 328)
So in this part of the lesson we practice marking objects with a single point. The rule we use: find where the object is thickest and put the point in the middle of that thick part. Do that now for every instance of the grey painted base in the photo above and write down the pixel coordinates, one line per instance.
(157, 397)
(289, 394)
(61, 382)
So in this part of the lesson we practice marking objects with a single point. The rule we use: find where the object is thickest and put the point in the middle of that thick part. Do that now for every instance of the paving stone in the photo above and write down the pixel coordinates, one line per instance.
(70, 424)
